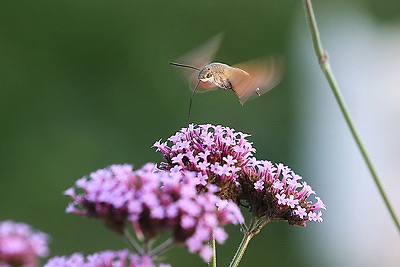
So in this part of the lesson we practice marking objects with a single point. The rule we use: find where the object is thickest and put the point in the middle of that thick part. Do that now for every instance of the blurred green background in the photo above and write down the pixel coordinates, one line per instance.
(86, 84)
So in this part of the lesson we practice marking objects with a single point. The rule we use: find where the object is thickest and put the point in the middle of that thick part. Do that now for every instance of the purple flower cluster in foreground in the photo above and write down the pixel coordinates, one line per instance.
(224, 157)
(154, 201)
(20, 245)
(103, 259)
(217, 153)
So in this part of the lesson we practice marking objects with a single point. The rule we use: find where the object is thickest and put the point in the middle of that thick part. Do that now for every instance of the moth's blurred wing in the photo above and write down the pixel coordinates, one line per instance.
(203, 54)
(263, 76)
(199, 57)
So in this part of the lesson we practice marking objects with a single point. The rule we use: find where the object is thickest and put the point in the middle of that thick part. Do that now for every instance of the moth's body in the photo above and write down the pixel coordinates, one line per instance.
(221, 75)
(256, 78)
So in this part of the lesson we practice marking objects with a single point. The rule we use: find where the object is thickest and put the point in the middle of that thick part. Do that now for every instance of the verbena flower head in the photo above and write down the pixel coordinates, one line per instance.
(217, 153)
(275, 192)
(20, 245)
(223, 157)
(103, 259)
(154, 201)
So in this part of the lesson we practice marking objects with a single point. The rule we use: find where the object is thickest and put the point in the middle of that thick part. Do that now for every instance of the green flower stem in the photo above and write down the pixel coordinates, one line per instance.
(214, 259)
(129, 239)
(241, 249)
(163, 247)
(249, 232)
(326, 69)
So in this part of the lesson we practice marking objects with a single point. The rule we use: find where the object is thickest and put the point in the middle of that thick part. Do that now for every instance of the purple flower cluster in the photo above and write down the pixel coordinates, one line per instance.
(154, 201)
(20, 245)
(223, 157)
(217, 153)
(276, 193)
(103, 259)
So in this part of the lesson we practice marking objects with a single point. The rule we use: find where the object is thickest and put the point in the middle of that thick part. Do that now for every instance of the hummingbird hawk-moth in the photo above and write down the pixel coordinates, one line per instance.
(247, 80)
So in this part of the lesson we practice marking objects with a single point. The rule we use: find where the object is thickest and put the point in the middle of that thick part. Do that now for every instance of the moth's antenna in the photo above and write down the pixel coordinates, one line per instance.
(190, 102)
(183, 66)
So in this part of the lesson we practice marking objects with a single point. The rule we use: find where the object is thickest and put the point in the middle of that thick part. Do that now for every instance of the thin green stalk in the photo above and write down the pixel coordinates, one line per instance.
(250, 231)
(127, 236)
(214, 259)
(241, 249)
(162, 248)
(326, 69)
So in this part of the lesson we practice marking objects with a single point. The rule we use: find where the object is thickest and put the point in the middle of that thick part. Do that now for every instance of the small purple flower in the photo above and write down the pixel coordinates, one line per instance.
(215, 151)
(103, 259)
(20, 245)
(273, 191)
(154, 201)
(280, 198)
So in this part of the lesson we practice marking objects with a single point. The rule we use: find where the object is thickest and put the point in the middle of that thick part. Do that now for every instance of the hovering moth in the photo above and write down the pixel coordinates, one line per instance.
(247, 80)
